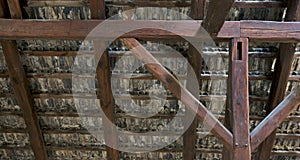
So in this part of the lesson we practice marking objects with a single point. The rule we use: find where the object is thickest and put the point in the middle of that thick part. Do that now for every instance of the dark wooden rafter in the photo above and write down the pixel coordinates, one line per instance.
(238, 100)
(195, 60)
(20, 85)
(275, 118)
(281, 76)
(179, 91)
(215, 17)
(105, 94)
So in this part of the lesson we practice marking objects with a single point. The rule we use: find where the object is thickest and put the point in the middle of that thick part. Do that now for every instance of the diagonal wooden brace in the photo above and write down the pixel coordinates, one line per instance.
(179, 91)
(275, 118)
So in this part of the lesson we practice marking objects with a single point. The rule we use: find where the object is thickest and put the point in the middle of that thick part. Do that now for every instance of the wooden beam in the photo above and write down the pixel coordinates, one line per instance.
(97, 8)
(14, 9)
(21, 89)
(280, 78)
(273, 31)
(105, 94)
(23, 96)
(79, 29)
(179, 91)
(197, 9)
(141, 3)
(275, 118)
(217, 12)
(195, 60)
(259, 4)
(238, 101)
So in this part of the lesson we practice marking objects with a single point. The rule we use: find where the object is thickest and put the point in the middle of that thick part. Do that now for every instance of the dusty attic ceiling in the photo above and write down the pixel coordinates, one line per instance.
(69, 119)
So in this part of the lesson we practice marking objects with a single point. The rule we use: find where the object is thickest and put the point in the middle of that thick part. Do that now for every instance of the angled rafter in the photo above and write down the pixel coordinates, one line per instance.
(20, 87)
(275, 118)
(281, 76)
(179, 91)
(105, 95)
(217, 12)
(195, 60)
(23, 96)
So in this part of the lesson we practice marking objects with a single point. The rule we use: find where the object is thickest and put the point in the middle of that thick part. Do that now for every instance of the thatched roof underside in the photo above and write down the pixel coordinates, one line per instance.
(66, 135)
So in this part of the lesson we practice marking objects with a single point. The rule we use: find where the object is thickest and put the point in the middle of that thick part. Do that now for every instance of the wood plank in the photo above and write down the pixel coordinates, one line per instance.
(280, 78)
(195, 60)
(217, 12)
(238, 101)
(179, 91)
(21, 88)
(275, 118)
(104, 93)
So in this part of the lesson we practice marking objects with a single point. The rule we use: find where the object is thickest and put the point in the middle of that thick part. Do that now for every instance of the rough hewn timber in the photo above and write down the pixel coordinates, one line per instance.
(238, 99)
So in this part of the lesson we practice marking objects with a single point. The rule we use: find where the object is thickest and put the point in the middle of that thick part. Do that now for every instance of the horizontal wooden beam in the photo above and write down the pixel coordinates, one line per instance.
(271, 31)
(275, 118)
(141, 3)
(80, 29)
(72, 30)
(179, 91)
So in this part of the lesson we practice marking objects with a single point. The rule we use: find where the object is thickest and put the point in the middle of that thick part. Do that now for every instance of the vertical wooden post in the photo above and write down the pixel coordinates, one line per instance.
(238, 100)
(105, 95)
(195, 60)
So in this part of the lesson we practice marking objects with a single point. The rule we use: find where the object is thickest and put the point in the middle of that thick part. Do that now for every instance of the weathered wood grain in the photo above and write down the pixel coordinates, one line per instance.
(238, 100)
